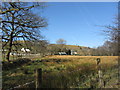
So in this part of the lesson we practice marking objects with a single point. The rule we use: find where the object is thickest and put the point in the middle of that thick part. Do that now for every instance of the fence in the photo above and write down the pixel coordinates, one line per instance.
(17, 56)
(38, 77)
(38, 80)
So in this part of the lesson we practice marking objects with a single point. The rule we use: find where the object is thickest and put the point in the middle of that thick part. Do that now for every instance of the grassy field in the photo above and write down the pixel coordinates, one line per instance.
(65, 72)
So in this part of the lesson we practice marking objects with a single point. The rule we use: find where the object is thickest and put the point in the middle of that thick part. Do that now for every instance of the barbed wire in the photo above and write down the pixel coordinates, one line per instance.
(21, 85)
(63, 71)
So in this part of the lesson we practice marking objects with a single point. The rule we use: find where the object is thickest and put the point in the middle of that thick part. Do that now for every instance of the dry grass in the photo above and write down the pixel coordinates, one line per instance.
(59, 73)
(81, 61)
(83, 66)
(70, 56)
(88, 59)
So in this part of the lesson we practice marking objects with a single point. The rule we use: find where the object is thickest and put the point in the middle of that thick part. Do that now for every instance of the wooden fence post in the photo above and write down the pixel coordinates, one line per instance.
(99, 73)
(38, 78)
(98, 61)
(100, 78)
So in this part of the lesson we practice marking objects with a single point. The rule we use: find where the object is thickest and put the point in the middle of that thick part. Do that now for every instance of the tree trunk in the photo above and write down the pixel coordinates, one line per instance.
(8, 56)
(9, 50)
(11, 39)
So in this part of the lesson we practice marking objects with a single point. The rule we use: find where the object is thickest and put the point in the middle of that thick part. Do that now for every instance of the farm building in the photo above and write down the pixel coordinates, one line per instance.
(62, 53)
(69, 52)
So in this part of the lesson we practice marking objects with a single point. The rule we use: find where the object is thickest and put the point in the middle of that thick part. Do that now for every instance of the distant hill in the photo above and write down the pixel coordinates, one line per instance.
(81, 50)
(44, 47)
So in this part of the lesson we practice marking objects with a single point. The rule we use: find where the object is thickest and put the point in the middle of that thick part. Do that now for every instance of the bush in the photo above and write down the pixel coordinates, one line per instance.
(9, 65)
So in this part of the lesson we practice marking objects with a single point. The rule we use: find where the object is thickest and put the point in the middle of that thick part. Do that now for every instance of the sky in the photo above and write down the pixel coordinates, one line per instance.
(79, 23)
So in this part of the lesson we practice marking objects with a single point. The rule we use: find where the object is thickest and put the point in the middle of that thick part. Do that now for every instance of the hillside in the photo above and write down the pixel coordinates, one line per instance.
(81, 50)
(70, 46)
(50, 49)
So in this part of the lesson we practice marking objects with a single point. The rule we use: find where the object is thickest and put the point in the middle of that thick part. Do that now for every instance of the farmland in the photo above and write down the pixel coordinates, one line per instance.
(59, 45)
(65, 71)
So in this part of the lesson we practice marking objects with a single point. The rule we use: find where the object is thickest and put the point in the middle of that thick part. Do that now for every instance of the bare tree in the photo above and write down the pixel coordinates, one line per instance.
(53, 49)
(61, 41)
(113, 32)
(40, 47)
(19, 22)
(61, 44)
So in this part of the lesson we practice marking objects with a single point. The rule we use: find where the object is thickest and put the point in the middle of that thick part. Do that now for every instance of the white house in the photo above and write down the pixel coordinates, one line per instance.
(25, 50)
(73, 52)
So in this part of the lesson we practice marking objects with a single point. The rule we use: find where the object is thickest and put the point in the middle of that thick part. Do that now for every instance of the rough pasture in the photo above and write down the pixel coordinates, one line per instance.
(65, 71)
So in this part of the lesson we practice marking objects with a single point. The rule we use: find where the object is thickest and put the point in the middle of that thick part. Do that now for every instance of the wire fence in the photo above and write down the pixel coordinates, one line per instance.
(19, 86)
(100, 79)
(105, 81)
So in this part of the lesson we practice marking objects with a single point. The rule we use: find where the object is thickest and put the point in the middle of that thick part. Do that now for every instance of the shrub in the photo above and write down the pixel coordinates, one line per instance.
(10, 65)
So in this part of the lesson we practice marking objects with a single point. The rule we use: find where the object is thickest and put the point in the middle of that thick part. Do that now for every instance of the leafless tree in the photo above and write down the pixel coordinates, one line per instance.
(20, 22)
(113, 32)
(61, 44)
(61, 41)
